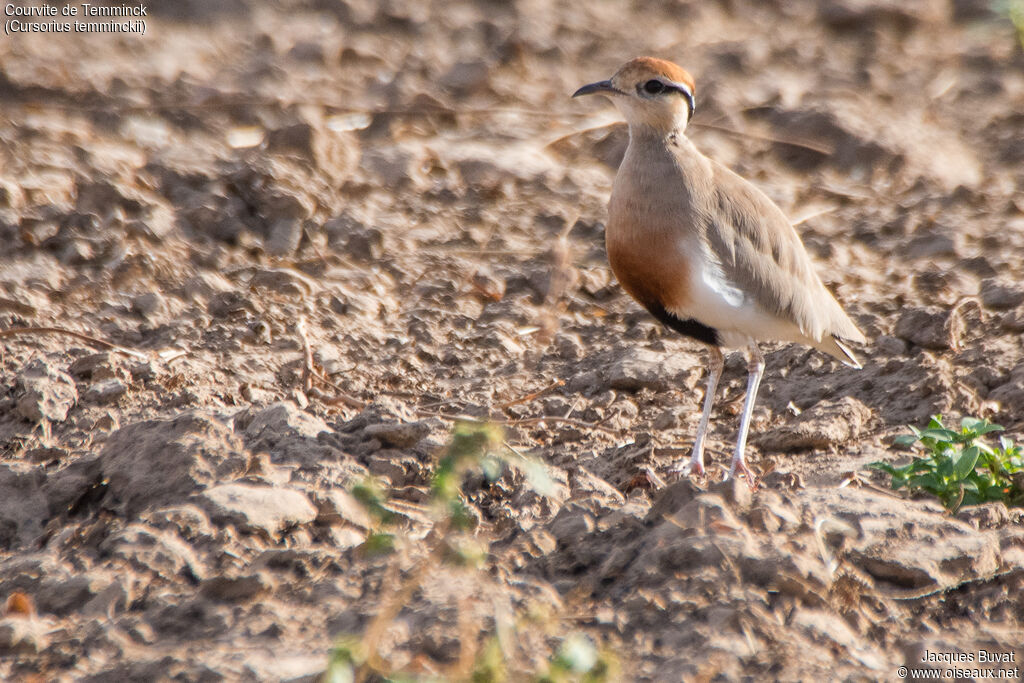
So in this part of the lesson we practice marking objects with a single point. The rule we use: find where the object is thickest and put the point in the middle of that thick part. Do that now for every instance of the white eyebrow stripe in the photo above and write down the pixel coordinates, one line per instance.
(681, 86)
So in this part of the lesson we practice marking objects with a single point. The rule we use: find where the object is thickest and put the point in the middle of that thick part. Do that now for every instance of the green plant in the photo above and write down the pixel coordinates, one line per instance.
(1014, 10)
(960, 467)
(457, 543)
(578, 659)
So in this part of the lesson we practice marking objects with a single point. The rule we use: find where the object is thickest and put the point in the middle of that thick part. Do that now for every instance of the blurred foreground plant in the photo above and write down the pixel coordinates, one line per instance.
(959, 467)
(1014, 10)
(454, 541)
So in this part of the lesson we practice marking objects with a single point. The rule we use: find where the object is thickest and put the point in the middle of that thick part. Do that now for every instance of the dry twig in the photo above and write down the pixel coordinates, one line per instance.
(15, 331)
(534, 395)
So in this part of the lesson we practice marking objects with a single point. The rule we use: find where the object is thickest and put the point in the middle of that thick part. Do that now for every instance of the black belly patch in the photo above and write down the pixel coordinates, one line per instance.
(688, 327)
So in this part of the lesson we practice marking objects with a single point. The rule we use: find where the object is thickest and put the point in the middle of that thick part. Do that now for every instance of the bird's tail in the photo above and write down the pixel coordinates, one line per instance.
(836, 348)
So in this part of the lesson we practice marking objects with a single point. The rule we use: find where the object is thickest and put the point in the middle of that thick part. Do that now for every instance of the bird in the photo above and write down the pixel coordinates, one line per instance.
(706, 252)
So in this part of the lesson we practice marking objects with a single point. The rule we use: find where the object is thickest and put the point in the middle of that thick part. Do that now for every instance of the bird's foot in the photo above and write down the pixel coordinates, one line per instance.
(739, 467)
(691, 468)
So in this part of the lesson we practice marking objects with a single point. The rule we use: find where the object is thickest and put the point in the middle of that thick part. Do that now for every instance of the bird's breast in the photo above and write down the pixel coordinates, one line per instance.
(650, 262)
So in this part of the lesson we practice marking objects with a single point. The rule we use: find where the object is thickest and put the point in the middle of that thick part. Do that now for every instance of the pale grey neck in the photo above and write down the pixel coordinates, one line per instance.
(644, 135)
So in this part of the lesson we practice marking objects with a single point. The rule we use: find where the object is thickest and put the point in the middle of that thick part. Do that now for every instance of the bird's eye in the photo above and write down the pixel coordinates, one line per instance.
(653, 87)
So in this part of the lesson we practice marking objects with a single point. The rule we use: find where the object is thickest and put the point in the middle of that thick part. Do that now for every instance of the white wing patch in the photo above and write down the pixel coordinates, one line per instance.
(713, 277)
(714, 300)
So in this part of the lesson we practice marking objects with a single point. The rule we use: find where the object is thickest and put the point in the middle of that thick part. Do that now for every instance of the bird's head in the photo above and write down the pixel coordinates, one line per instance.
(650, 92)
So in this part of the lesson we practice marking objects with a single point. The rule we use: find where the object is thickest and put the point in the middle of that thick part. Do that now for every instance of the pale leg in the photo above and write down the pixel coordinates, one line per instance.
(755, 368)
(716, 361)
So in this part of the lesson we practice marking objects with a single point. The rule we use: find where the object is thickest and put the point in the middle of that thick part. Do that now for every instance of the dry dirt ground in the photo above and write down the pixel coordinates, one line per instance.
(393, 181)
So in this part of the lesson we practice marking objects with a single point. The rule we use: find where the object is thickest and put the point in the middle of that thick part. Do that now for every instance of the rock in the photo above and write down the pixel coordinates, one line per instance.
(297, 138)
(931, 245)
(225, 588)
(307, 51)
(23, 507)
(826, 423)
(734, 491)
(674, 498)
(1000, 295)
(400, 434)
(286, 281)
(96, 366)
(228, 304)
(908, 143)
(46, 392)
(930, 327)
(187, 521)
(366, 245)
(890, 346)
(638, 368)
(283, 237)
(332, 152)
(338, 506)
(204, 285)
(465, 78)
(108, 602)
(149, 305)
(288, 434)
(397, 467)
(153, 463)
(985, 516)
(592, 491)
(707, 512)
(197, 619)
(391, 166)
(22, 636)
(107, 391)
(339, 228)
(1011, 392)
(280, 418)
(257, 508)
(569, 346)
(895, 540)
(571, 525)
(861, 15)
(1013, 321)
(46, 454)
(64, 593)
(154, 551)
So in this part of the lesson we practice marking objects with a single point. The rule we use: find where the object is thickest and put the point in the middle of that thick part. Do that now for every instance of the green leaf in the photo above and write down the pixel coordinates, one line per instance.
(980, 427)
(577, 655)
(537, 477)
(445, 485)
(369, 493)
(944, 466)
(492, 467)
(883, 467)
(459, 516)
(466, 553)
(378, 543)
(346, 655)
(971, 498)
(970, 487)
(921, 465)
(939, 434)
(966, 462)
(905, 440)
(996, 491)
(929, 482)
